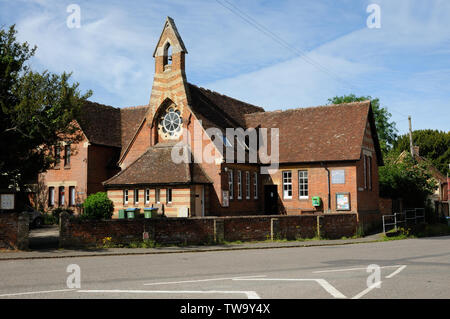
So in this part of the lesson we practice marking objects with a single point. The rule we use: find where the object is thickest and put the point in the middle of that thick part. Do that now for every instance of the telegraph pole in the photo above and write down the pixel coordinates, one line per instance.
(410, 137)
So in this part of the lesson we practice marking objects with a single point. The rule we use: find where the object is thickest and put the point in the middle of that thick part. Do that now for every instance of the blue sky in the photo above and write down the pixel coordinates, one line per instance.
(405, 63)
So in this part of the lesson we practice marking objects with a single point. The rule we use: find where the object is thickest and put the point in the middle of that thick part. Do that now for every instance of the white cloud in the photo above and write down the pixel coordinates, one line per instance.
(112, 51)
(294, 83)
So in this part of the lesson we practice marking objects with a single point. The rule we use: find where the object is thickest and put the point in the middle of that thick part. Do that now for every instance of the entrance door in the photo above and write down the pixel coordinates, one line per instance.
(271, 199)
(199, 201)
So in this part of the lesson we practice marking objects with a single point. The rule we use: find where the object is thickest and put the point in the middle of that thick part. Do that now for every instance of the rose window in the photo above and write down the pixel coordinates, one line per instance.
(170, 124)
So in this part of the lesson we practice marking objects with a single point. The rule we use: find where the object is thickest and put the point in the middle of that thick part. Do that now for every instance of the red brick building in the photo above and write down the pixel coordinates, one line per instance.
(329, 153)
(83, 166)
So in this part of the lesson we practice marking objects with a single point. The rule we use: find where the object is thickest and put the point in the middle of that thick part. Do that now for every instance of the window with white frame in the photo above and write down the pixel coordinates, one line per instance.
(51, 196)
(72, 196)
(239, 185)
(136, 196)
(125, 196)
(157, 195)
(287, 184)
(169, 195)
(255, 185)
(303, 191)
(62, 197)
(147, 196)
(247, 185)
(67, 155)
(230, 184)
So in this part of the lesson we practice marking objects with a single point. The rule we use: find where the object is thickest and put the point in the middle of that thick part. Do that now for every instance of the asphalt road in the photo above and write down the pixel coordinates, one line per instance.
(416, 268)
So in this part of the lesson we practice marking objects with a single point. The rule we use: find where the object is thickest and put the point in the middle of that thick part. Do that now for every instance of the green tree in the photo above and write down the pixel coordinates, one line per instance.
(406, 179)
(36, 111)
(386, 129)
(433, 145)
(98, 206)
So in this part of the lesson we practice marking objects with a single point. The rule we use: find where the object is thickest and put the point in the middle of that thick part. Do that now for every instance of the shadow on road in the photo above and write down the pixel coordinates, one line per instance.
(46, 237)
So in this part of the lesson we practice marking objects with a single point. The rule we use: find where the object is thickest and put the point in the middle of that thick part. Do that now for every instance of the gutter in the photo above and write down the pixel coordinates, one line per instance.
(329, 186)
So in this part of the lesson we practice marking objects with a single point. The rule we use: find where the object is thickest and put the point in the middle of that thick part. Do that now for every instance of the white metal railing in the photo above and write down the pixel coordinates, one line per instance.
(404, 218)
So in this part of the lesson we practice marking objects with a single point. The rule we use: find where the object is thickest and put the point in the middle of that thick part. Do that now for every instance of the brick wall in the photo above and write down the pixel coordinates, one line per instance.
(385, 206)
(368, 197)
(181, 198)
(293, 228)
(101, 162)
(244, 205)
(74, 175)
(370, 220)
(138, 146)
(335, 226)
(13, 230)
(317, 186)
(247, 228)
(195, 231)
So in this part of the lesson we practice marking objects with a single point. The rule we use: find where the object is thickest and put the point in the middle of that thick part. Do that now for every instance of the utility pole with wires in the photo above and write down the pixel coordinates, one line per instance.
(411, 145)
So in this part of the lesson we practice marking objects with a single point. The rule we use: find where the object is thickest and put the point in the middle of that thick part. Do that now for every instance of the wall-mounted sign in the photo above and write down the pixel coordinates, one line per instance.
(225, 198)
(343, 201)
(7, 201)
(338, 176)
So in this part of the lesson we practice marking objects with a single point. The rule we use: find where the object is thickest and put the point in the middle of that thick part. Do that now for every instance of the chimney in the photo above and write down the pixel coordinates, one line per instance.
(416, 150)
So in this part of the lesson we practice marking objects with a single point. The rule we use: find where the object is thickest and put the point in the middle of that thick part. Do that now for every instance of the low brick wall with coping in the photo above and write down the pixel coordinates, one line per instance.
(14, 229)
(205, 230)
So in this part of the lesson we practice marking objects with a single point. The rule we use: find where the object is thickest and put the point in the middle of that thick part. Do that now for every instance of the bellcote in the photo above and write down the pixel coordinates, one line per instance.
(170, 51)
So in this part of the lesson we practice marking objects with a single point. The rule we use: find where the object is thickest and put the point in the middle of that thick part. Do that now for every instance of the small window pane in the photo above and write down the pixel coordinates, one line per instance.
(303, 184)
(287, 184)
(169, 195)
(136, 196)
(147, 196)
(157, 195)
(125, 196)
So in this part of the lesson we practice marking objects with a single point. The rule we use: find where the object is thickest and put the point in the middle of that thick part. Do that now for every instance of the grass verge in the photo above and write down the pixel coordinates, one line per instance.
(417, 231)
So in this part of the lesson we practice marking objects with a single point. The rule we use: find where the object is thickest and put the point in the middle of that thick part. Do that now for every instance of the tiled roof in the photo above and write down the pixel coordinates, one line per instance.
(156, 167)
(217, 110)
(131, 119)
(100, 123)
(316, 134)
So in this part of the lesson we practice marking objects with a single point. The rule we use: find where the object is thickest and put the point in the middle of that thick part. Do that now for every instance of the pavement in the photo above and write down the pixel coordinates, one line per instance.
(411, 269)
(44, 243)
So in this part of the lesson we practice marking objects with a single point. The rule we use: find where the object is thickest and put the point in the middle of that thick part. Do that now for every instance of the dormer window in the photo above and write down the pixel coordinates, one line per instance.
(167, 54)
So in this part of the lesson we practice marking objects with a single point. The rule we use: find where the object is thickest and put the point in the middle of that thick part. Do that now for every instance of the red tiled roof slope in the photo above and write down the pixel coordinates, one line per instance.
(155, 167)
(131, 119)
(217, 110)
(100, 123)
(316, 134)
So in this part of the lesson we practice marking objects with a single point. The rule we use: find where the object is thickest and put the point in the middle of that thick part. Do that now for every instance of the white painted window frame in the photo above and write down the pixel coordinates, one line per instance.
(301, 182)
(287, 184)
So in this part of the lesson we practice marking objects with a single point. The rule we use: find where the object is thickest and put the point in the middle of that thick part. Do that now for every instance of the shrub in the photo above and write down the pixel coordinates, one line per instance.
(49, 219)
(57, 212)
(98, 206)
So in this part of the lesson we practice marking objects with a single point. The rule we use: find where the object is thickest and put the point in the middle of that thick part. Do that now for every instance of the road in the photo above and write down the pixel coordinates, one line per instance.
(415, 268)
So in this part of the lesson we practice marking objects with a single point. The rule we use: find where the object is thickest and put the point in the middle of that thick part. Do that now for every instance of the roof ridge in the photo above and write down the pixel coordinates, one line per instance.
(101, 104)
(297, 109)
(126, 168)
(126, 108)
(226, 96)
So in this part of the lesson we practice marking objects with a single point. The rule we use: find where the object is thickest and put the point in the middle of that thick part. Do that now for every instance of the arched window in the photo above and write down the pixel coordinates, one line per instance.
(167, 54)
